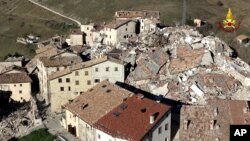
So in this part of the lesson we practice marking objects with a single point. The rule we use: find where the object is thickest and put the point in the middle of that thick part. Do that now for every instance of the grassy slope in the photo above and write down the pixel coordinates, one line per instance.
(171, 11)
(19, 18)
(38, 135)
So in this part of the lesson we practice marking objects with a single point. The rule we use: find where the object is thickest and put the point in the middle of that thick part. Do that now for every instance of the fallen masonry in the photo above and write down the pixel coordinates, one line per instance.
(187, 67)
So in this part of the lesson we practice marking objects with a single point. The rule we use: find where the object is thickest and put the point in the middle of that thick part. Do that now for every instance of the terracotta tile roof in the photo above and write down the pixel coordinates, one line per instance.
(95, 62)
(8, 78)
(98, 101)
(44, 49)
(77, 49)
(117, 23)
(60, 61)
(138, 14)
(13, 67)
(131, 119)
(59, 74)
(187, 58)
(212, 121)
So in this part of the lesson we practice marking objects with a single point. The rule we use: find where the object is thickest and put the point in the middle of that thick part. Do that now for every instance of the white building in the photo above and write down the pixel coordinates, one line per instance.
(76, 38)
(69, 83)
(136, 119)
(48, 65)
(85, 110)
(16, 81)
(119, 31)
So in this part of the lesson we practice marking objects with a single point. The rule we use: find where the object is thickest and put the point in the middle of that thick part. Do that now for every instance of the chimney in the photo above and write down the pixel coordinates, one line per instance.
(140, 96)
(152, 119)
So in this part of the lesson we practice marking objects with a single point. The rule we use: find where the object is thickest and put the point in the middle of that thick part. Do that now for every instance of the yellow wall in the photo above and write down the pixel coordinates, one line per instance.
(20, 91)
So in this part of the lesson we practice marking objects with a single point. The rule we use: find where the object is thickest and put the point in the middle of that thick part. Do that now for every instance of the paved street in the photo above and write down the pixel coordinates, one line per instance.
(55, 128)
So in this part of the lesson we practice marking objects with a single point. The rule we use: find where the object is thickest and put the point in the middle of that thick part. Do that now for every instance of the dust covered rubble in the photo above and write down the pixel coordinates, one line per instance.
(179, 63)
(18, 123)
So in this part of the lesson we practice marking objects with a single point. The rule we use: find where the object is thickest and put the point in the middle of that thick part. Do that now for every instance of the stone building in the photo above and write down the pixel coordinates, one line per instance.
(15, 80)
(69, 83)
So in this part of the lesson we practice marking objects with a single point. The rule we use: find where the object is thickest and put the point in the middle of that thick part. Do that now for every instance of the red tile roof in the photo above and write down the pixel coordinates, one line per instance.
(131, 119)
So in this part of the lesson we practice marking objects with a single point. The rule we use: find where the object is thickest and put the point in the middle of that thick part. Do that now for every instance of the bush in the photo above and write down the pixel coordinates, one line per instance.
(38, 135)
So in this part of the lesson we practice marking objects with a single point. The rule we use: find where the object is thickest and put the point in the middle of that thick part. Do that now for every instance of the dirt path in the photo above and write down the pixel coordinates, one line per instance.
(44, 7)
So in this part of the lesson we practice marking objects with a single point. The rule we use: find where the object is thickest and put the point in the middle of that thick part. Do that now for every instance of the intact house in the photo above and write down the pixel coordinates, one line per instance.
(109, 34)
(47, 65)
(146, 20)
(135, 119)
(242, 39)
(15, 80)
(211, 122)
(84, 111)
(109, 112)
(67, 84)
(76, 38)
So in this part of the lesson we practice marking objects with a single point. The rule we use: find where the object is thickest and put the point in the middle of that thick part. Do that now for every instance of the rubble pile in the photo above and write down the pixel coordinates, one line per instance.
(17, 123)
(179, 63)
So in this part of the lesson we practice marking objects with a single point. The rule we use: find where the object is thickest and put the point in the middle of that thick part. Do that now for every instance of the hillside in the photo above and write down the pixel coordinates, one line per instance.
(171, 12)
(19, 18)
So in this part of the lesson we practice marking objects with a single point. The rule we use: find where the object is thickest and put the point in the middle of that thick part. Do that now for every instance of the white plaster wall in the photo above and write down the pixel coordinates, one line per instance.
(89, 35)
(25, 89)
(76, 39)
(165, 133)
(111, 75)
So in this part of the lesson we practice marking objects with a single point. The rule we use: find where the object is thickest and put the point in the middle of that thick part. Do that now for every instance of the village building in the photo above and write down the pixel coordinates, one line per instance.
(10, 61)
(146, 20)
(242, 39)
(47, 65)
(76, 38)
(84, 111)
(136, 119)
(68, 83)
(119, 31)
(15, 80)
(212, 121)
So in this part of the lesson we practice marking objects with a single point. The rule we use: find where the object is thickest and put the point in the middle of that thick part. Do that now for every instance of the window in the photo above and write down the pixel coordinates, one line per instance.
(97, 80)
(87, 28)
(96, 69)
(159, 130)
(116, 68)
(86, 73)
(69, 88)
(21, 85)
(126, 29)
(60, 80)
(65, 67)
(124, 36)
(14, 85)
(57, 69)
(77, 82)
(166, 139)
(99, 136)
(110, 36)
(76, 73)
(89, 82)
(107, 68)
(67, 80)
(20, 92)
(166, 127)
(62, 89)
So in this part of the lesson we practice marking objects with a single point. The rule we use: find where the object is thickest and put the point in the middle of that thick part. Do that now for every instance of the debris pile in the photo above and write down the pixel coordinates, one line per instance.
(179, 63)
(17, 123)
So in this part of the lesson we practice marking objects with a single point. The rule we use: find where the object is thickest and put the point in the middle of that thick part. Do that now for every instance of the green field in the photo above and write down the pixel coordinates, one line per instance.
(38, 135)
(19, 18)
